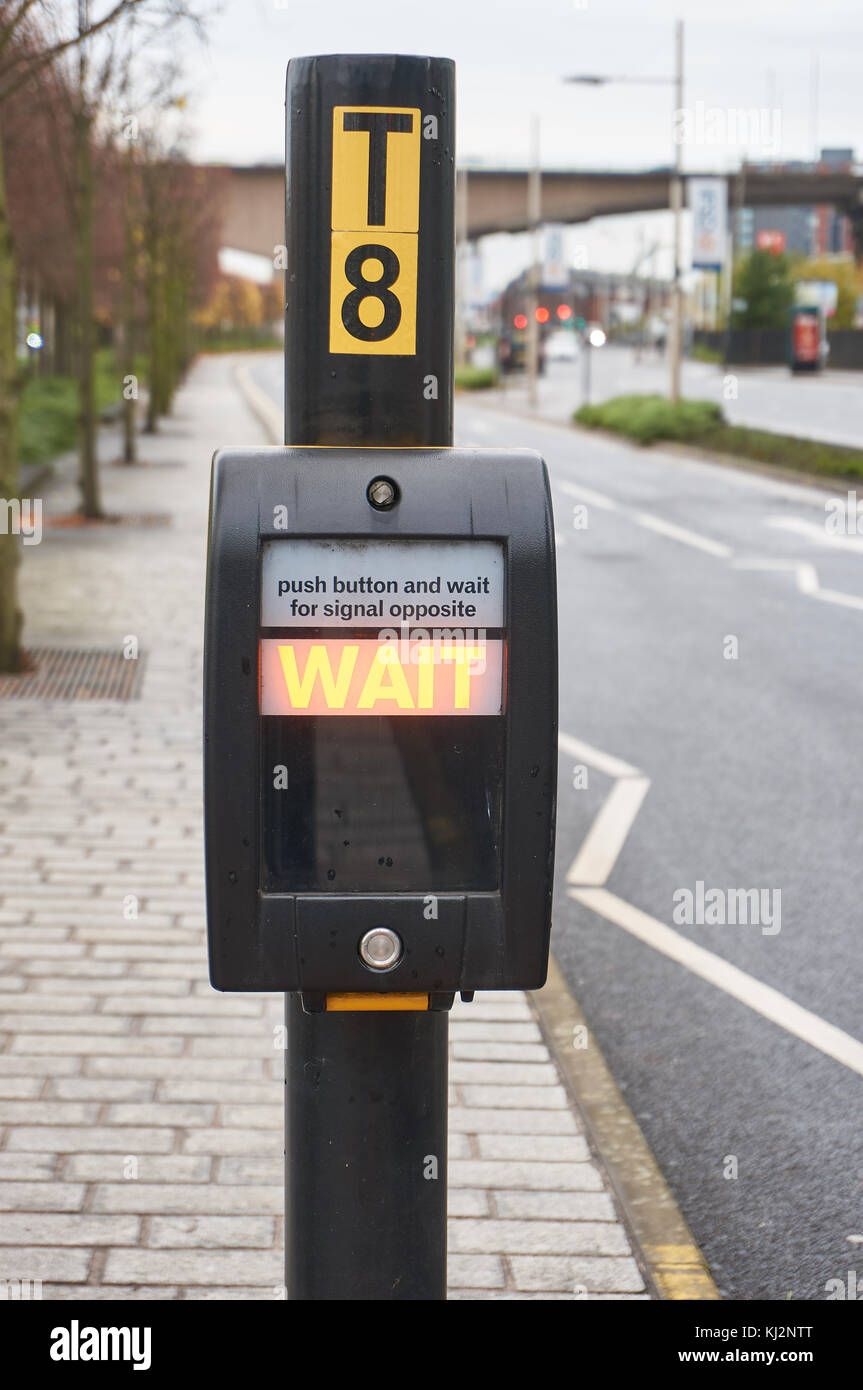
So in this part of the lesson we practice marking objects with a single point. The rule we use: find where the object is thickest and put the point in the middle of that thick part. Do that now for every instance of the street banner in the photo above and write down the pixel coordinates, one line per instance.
(554, 273)
(708, 201)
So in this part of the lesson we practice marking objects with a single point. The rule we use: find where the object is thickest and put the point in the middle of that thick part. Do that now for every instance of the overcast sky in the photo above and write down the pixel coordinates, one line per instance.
(511, 56)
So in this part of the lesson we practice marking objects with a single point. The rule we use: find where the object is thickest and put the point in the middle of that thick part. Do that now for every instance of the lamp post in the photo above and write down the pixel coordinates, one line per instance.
(676, 190)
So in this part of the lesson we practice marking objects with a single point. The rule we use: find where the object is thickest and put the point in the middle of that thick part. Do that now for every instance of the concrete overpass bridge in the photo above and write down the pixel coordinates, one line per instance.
(253, 198)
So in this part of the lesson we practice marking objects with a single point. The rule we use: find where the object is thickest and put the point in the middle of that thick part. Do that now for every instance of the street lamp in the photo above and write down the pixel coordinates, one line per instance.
(594, 80)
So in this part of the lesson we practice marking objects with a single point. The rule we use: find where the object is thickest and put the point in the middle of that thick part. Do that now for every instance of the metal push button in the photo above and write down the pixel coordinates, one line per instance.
(381, 948)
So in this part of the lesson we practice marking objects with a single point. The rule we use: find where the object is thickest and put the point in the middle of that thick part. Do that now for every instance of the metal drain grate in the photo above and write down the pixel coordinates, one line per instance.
(74, 675)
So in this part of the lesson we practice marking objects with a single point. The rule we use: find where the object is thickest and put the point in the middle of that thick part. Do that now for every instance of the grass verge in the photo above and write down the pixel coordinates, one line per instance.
(48, 418)
(242, 342)
(475, 378)
(650, 419)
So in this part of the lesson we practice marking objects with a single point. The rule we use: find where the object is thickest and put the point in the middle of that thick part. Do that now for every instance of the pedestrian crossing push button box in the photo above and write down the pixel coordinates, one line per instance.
(380, 720)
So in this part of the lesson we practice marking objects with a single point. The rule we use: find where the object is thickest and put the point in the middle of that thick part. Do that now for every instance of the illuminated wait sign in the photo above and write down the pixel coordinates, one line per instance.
(359, 677)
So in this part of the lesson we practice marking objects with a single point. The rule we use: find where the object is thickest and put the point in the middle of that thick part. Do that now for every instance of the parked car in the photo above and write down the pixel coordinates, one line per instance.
(561, 346)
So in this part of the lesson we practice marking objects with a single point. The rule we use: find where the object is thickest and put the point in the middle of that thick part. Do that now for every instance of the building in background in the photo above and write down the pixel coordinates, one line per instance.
(808, 231)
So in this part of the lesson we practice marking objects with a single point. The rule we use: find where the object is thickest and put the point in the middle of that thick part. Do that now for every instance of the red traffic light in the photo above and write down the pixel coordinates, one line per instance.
(542, 314)
(564, 312)
(520, 321)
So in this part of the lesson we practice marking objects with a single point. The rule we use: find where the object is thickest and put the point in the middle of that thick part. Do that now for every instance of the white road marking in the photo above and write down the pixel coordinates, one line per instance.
(765, 1000)
(815, 533)
(680, 533)
(805, 574)
(807, 581)
(586, 494)
(603, 762)
(604, 841)
(844, 600)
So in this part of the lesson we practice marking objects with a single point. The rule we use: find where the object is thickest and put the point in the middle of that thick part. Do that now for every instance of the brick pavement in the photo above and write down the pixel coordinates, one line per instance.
(140, 1111)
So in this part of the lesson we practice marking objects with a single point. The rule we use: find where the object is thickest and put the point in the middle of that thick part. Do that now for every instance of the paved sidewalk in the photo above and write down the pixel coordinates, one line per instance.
(140, 1111)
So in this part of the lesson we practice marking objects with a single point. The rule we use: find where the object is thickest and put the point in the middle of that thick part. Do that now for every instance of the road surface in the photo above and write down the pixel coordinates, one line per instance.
(828, 406)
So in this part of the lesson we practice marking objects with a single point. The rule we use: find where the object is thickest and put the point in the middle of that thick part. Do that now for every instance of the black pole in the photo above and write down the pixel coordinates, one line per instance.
(370, 193)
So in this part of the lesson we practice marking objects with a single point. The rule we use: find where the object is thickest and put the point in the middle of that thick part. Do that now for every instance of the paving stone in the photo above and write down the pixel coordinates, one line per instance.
(475, 1271)
(274, 1293)
(555, 1206)
(96, 1138)
(91, 1088)
(19, 1064)
(201, 1198)
(211, 1232)
(538, 1237)
(193, 1267)
(40, 1196)
(232, 1169)
(94, 1045)
(178, 1116)
(472, 1049)
(27, 1165)
(19, 1087)
(552, 1148)
(20, 1228)
(464, 1201)
(234, 1141)
(497, 1073)
(113, 985)
(269, 1092)
(109, 1293)
(107, 1168)
(192, 1068)
(580, 1273)
(35, 1262)
(269, 1116)
(516, 1097)
(533, 1176)
(47, 1112)
(480, 1120)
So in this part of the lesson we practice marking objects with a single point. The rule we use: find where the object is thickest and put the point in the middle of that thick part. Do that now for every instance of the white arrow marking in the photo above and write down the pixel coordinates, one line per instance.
(765, 1000)
(605, 839)
(613, 821)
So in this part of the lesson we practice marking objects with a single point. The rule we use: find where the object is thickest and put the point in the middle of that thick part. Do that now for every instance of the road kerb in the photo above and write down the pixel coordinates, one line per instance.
(672, 1263)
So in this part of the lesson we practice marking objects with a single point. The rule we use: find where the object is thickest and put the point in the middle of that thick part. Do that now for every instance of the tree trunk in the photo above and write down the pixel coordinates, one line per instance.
(154, 345)
(127, 355)
(91, 504)
(10, 617)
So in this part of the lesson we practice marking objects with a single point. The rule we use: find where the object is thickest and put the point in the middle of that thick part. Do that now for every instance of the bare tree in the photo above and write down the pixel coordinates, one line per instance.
(36, 34)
